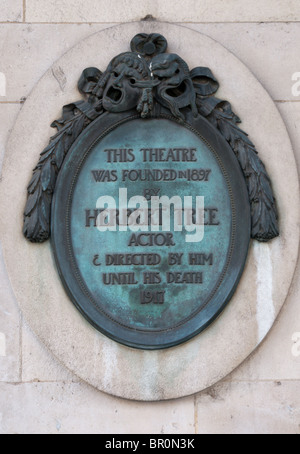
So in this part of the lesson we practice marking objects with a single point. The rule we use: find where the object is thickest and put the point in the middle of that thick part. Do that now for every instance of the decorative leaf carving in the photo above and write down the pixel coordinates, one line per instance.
(41, 187)
(263, 205)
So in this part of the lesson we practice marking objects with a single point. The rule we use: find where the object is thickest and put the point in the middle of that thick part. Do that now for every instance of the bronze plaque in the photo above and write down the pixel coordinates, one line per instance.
(156, 192)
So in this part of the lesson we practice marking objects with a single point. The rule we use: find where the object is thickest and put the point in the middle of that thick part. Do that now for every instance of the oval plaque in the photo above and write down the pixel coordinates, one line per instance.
(150, 227)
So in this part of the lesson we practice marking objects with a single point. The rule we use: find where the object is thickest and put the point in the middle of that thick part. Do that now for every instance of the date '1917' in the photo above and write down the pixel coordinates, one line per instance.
(154, 297)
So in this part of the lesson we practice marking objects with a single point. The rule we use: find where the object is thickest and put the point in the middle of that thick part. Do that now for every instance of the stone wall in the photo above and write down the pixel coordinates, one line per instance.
(38, 395)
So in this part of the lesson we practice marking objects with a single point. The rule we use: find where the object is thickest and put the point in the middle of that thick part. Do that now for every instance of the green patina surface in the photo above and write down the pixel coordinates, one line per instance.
(175, 296)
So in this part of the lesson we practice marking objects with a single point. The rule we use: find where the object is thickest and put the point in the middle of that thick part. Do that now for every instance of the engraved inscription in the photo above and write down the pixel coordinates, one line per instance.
(114, 219)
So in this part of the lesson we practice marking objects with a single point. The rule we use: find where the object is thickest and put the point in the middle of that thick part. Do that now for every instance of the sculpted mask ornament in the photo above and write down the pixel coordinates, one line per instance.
(147, 80)
(175, 90)
(127, 83)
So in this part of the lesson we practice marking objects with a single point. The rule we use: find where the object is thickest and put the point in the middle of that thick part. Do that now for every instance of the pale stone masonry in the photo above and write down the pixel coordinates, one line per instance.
(167, 10)
(38, 394)
(11, 10)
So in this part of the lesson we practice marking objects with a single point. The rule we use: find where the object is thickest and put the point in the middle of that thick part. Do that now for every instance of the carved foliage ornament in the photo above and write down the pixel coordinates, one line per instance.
(148, 79)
